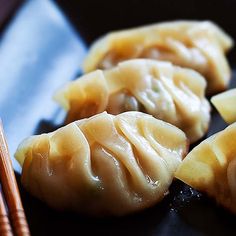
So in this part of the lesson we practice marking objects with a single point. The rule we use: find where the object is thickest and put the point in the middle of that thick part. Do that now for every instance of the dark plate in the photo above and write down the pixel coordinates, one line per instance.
(40, 51)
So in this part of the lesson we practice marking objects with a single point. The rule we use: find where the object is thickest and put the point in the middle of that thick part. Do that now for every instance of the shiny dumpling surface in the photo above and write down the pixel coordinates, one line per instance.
(173, 94)
(225, 103)
(200, 45)
(103, 165)
(211, 167)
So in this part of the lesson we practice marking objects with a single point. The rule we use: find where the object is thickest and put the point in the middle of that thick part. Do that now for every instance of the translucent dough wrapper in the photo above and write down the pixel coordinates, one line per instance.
(193, 44)
(173, 94)
(211, 167)
(225, 103)
(104, 165)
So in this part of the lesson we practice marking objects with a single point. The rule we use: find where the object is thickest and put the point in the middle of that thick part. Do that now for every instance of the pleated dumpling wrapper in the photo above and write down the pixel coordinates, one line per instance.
(225, 103)
(170, 93)
(103, 165)
(193, 44)
(211, 167)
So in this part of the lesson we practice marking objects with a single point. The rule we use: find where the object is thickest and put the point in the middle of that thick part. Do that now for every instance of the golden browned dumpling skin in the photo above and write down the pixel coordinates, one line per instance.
(173, 94)
(225, 103)
(103, 165)
(199, 45)
(211, 167)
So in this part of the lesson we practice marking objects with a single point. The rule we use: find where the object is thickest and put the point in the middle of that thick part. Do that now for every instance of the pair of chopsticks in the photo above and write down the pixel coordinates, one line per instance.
(14, 216)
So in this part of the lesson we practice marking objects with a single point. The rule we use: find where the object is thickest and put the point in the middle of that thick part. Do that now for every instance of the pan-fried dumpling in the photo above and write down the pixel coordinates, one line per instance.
(211, 167)
(197, 45)
(170, 93)
(103, 165)
(225, 103)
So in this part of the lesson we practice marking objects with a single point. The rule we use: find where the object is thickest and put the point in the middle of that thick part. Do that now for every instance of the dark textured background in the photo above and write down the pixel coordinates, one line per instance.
(94, 18)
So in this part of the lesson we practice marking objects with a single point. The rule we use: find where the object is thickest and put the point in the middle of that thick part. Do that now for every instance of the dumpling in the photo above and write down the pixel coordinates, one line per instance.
(193, 44)
(103, 165)
(173, 94)
(211, 167)
(225, 103)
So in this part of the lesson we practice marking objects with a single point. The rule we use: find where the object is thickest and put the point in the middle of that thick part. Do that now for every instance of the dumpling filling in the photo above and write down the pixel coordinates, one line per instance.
(173, 94)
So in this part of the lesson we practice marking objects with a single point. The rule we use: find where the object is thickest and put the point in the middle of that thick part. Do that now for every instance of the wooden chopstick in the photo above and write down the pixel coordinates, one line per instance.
(5, 227)
(10, 189)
